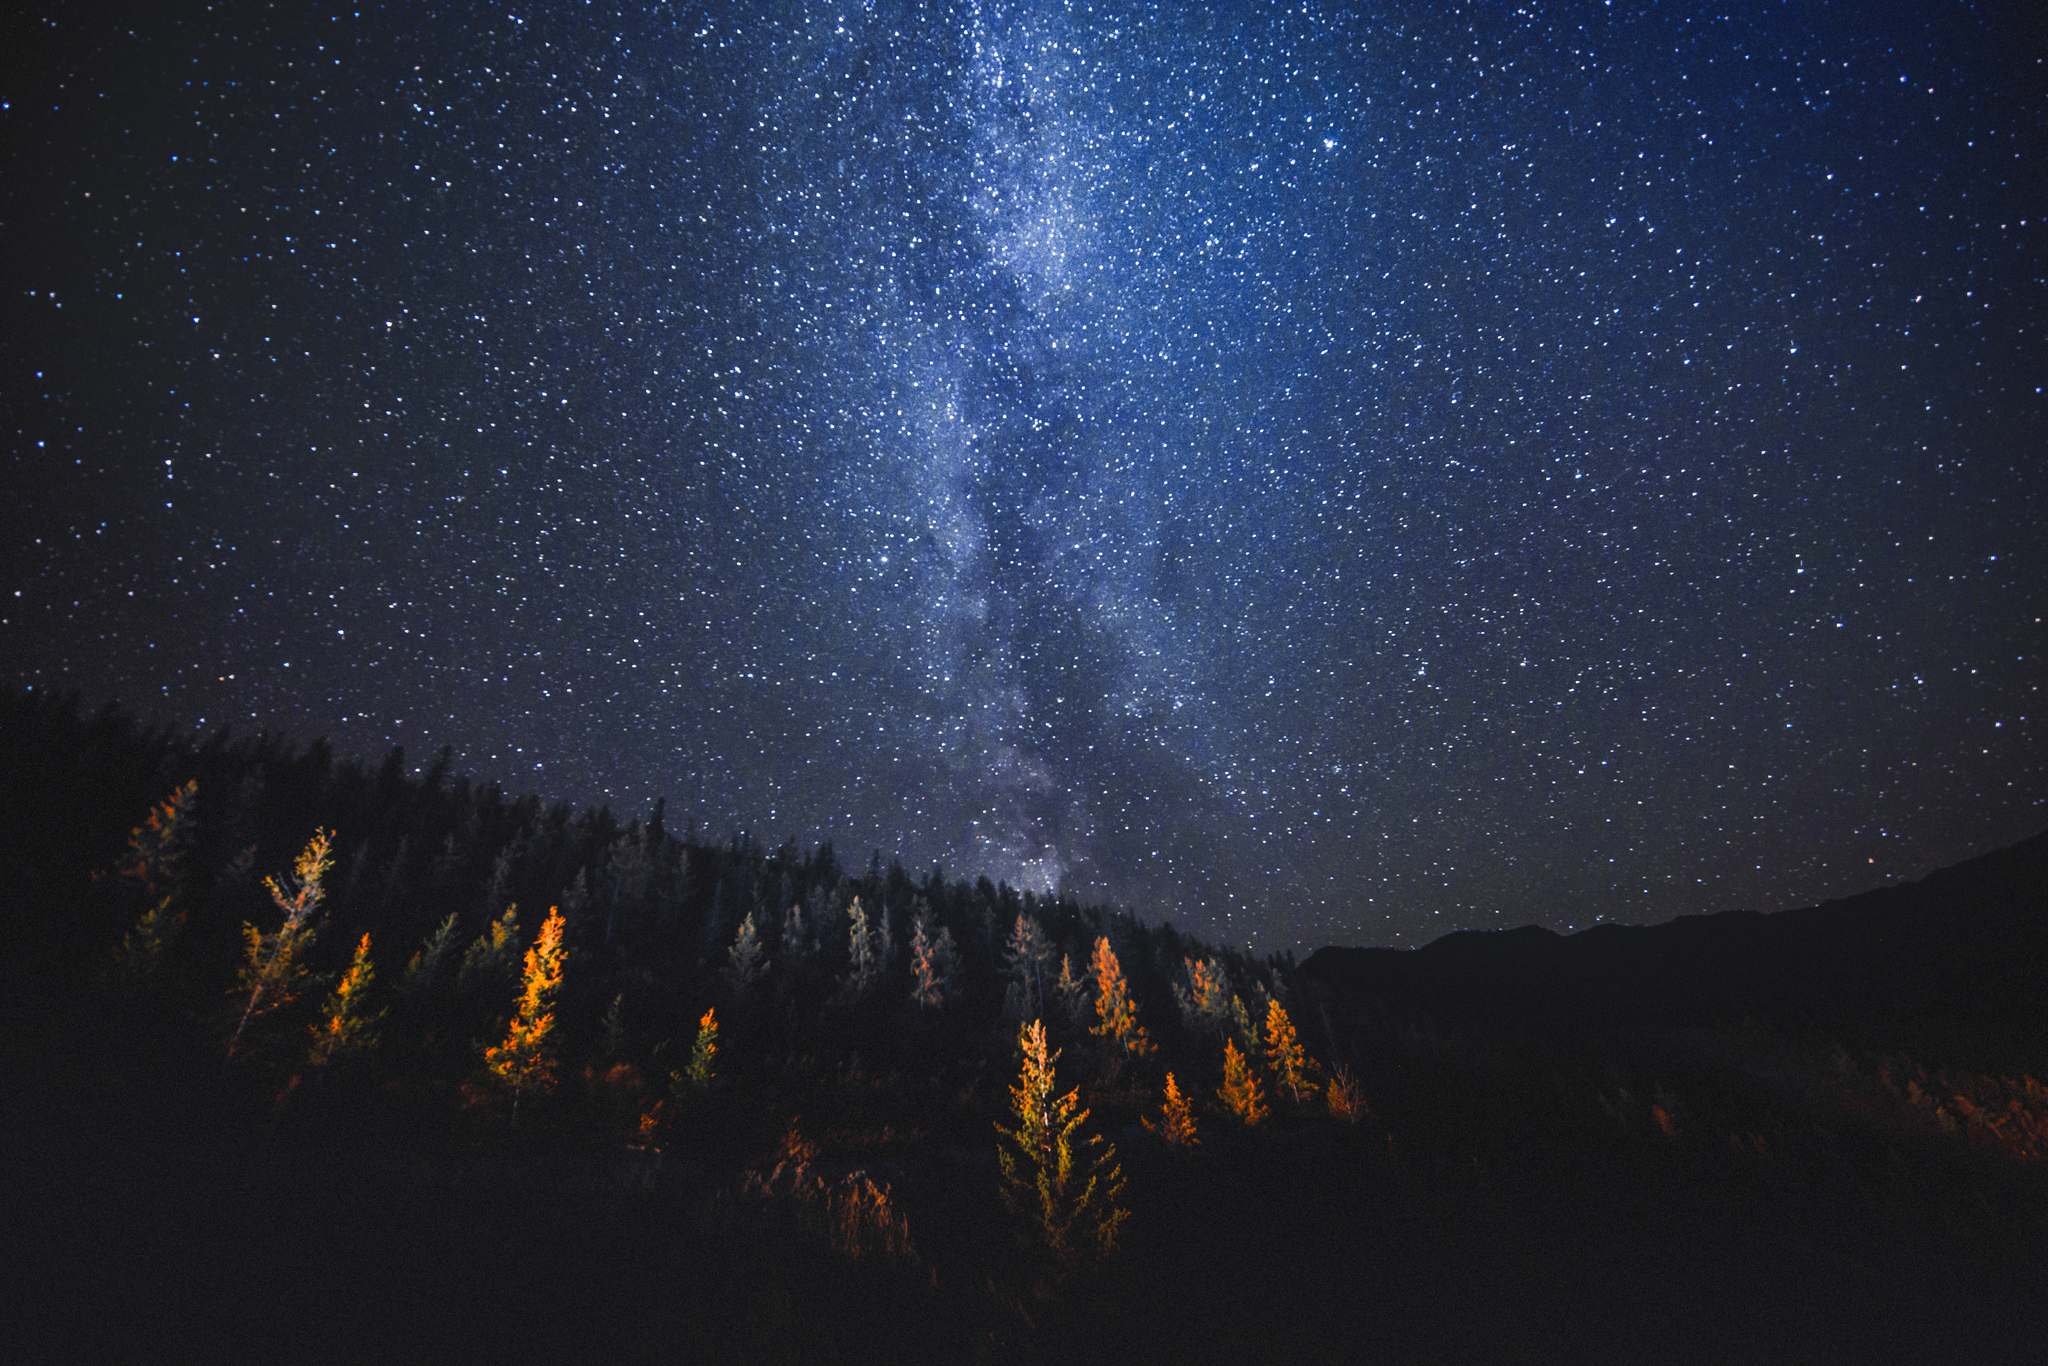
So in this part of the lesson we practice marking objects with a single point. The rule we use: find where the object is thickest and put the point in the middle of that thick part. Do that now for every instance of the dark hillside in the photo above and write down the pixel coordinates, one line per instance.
(1962, 954)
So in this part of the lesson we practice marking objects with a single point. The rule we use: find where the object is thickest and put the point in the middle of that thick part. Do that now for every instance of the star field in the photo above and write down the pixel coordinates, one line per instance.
(1315, 476)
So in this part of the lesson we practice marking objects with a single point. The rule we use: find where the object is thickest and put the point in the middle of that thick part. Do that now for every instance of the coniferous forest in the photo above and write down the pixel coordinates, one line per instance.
(310, 1058)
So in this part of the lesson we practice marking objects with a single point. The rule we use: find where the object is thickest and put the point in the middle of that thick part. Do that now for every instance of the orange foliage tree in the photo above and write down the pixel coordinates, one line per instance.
(1241, 1092)
(1066, 1188)
(155, 864)
(1284, 1053)
(1176, 1122)
(1116, 1015)
(347, 1025)
(526, 1060)
(274, 972)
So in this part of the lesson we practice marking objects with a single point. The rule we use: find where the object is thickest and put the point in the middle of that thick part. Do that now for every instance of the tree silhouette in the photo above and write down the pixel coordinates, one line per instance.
(155, 863)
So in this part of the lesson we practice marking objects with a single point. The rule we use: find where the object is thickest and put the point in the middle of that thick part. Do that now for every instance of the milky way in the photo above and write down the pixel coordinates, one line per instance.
(1307, 474)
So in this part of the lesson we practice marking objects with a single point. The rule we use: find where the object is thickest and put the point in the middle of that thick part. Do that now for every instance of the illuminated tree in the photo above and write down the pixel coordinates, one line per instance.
(1205, 1001)
(347, 1025)
(425, 965)
(864, 949)
(748, 961)
(1176, 1122)
(273, 971)
(154, 863)
(1346, 1097)
(1241, 1092)
(494, 956)
(526, 1060)
(1065, 1188)
(1116, 1015)
(703, 1068)
(932, 962)
(1284, 1053)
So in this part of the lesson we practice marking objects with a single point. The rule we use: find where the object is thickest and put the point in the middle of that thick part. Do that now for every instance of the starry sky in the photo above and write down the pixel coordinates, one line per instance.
(1312, 472)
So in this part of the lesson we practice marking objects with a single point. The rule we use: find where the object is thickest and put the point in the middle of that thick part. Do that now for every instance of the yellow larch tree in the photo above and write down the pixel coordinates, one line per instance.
(703, 1068)
(1066, 1188)
(1116, 1015)
(1176, 1123)
(1284, 1054)
(526, 1060)
(1241, 1092)
(347, 1025)
(274, 971)
(154, 863)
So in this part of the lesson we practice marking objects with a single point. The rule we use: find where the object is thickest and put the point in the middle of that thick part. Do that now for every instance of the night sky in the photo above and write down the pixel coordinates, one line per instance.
(1321, 473)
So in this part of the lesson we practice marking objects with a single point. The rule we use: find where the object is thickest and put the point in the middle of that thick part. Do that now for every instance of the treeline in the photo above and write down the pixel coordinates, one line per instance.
(330, 919)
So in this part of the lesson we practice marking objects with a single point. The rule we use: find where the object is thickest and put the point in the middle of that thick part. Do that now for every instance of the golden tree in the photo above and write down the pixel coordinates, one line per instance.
(347, 1025)
(155, 863)
(1346, 1097)
(1284, 1053)
(526, 1060)
(1241, 1092)
(1176, 1121)
(273, 971)
(703, 1068)
(1067, 1188)
(1116, 1015)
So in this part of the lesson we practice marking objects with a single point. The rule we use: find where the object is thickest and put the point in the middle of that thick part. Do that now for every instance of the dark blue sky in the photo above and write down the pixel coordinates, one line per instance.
(1315, 473)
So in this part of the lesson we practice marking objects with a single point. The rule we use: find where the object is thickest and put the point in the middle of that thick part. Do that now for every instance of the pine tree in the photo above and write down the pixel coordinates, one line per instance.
(864, 954)
(424, 968)
(1072, 993)
(274, 972)
(1284, 1053)
(703, 1068)
(615, 1027)
(494, 957)
(526, 1060)
(155, 864)
(1116, 1015)
(1176, 1121)
(1205, 1001)
(347, 1025)
(748, 962)
(1025, 955)
(1068, 1190)
(932, 962)
(1241, 1092)
(796, 946)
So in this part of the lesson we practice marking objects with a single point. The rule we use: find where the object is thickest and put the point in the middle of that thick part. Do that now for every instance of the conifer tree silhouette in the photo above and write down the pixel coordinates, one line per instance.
(155, 863)
(932, 962)
(747, 961)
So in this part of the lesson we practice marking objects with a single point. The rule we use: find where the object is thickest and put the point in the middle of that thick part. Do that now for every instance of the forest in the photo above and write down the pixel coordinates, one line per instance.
(316, 1057)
